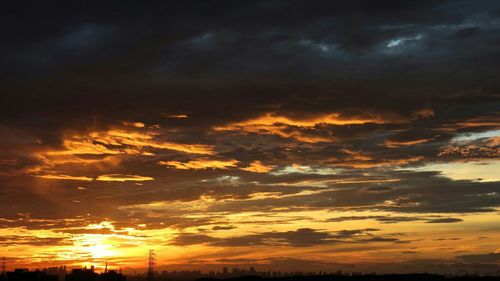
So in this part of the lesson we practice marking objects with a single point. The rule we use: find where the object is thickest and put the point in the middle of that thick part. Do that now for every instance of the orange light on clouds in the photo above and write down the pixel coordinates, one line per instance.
(257, 167)
(122, 142)
(134, 124)
(200, 164)
(280, 125)
(122, 178)
(177, 116)
(64, 177)
(271, 119)
(394, 144)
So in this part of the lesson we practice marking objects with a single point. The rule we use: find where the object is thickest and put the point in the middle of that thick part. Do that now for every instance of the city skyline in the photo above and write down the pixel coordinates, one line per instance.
(328, 135)
(226, 272)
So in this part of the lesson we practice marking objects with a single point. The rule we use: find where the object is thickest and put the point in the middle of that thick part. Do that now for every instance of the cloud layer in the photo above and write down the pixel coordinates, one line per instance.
(332, 130)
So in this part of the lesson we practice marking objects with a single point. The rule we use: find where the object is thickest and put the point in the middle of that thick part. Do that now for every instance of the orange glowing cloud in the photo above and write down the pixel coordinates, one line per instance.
(123, 142)
(134, 124)
(394, 144)
(139, 141)
(104, 149)
(176, 116)
(271, 119)
(379, 163)
(494, 141)
(276, 124)
(257, 167)
(200, 164)
(77, 145)
(122, 178)
(64, 177)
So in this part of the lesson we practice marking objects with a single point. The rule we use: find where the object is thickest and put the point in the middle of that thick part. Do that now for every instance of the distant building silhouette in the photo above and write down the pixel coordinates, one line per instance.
(89, 275)
(82, 274)
(60, 272)
(23, 274)
(111, 275)
(236, 274)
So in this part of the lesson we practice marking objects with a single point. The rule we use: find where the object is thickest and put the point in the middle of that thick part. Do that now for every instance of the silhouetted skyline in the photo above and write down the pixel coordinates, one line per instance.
(89, 274)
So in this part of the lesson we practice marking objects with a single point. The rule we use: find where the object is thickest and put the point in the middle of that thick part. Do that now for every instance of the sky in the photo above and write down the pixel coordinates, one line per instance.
(313, 135)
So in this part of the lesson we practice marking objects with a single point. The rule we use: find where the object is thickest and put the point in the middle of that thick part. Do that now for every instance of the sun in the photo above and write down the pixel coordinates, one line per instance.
(100, 251)
(94, 245)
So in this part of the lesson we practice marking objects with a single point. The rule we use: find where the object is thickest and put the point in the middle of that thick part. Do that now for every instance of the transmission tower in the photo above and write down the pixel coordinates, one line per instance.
(151, 265)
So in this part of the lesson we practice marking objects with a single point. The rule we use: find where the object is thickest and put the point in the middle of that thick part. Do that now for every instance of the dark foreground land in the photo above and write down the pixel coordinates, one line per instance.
(78, 275)
(367, 277)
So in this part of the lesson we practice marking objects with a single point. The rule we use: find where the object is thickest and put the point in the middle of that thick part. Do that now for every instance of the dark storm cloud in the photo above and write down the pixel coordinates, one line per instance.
(396, 219)
(413, 192)
(493, 258)
(223, 227)
(302, 237)
(181, 53)
(445, 220)
(10, 240)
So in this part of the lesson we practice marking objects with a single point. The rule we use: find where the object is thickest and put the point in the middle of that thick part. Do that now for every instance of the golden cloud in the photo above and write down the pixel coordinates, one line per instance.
(104, 149)
(176, 116)
(257, 167)
(287, 127)
(123, 142)
(272, 119)
(134, 124)
(494, 141)
(394, 144)
(379, 163)
(201, 164)
(137, 141)
(122, 178)
(64, 177)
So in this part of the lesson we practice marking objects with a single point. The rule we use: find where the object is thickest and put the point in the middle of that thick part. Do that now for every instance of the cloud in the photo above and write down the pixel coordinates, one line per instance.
(481, 258)
(122, 178)
(122, 142)
(200, 164)
(257, 167)
(64, 177)
(445, 220)
(223, 227)
(392, 144)
(303, 129)
(484, 148)
(134, 124)
(302, 237)
(13, 240)
(396, 219)
(136, 140)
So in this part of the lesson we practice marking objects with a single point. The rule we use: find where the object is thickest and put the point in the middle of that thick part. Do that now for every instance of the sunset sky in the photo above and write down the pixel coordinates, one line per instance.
(286, 135)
